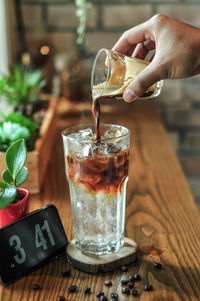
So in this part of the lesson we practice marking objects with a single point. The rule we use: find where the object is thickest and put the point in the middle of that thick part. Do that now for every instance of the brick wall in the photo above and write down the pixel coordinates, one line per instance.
(179, 103)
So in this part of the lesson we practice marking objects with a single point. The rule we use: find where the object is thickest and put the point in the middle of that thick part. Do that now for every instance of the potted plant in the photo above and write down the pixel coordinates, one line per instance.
(15, 126)
(14, 201)
(34, 119)
(21, 87)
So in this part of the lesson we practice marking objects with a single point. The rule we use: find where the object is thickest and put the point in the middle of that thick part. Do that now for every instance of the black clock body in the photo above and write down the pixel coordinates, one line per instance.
(29, 242)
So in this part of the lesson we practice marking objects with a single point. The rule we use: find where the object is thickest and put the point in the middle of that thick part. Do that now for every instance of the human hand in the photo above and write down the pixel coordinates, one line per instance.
(177, 52)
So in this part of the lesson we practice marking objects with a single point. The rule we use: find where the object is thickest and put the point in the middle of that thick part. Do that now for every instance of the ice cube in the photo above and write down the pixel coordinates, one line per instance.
(86, 150)
(85, 134)
(100, 149)
(75, 142)
(71, 144)
(82, 134)
(113, 133)
(114, 148)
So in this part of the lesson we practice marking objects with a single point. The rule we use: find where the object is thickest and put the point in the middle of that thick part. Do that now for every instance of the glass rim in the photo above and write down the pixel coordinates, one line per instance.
(108, 54)
(83, 126)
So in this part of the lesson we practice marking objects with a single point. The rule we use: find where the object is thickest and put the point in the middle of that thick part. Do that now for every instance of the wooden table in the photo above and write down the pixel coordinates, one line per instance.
(161, 216)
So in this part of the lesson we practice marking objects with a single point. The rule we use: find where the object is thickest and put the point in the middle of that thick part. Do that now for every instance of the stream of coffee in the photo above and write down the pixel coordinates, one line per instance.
(96, 113)
(96, 95)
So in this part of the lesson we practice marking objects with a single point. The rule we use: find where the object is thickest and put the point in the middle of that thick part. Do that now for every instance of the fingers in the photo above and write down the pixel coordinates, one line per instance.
(142, 49)
(149, 76)
(130, 39)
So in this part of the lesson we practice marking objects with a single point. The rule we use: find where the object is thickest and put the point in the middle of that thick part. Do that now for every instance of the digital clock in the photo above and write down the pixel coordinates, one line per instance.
(29, 242)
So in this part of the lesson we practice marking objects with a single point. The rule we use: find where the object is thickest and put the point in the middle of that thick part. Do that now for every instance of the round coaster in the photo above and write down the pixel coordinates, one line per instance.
(104, 263)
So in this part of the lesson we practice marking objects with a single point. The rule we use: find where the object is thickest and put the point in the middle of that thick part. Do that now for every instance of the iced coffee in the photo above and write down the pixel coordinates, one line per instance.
(97, 173)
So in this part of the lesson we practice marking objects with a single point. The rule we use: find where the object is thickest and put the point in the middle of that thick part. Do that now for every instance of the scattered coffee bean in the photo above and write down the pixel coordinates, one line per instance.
(137, 277)
(35, 286)
(66, 273)
(103, 298)
(108, 283)
(99, 294)
(87, 290)
(134, 293)
(124, 282)
(61, 298)
(131, 278)
(124, 268)
(72, 288)
(126, 291)
(130, 284)
(114, 296)
(148, 287)
(157, 265)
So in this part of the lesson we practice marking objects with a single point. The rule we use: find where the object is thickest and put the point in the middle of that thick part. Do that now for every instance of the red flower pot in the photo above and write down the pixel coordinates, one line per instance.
(17, 210)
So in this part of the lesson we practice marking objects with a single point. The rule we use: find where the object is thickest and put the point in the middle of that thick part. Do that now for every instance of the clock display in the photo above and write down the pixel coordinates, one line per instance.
(30, 242)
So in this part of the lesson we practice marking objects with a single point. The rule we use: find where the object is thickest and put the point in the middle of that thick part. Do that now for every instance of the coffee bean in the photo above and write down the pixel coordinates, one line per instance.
(124, 268)
(157, 265)
(130, 284)
(99, 294)
(66, 273)
(72, 288)
(103, 298)
(114, 296)
(108, 283)
(126, 291)
(134, 293)
(131, 278)
(137, 277)
(124, 281)
(148, 287)
(35, 286)
(61, 298)
(87, 290)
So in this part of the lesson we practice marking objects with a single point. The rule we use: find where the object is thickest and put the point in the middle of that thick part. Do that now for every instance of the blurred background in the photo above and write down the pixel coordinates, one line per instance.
(63, 36)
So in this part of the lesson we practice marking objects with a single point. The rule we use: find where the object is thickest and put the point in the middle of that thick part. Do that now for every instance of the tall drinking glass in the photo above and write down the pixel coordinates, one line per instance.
(97, 174)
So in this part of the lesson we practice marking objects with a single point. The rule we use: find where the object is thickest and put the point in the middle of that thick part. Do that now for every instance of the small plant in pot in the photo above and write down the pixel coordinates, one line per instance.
(22, 90)
(14, 201)
(16, 126)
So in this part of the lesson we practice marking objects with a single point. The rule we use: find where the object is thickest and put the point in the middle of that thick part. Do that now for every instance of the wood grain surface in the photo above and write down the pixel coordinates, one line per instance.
(161, 217)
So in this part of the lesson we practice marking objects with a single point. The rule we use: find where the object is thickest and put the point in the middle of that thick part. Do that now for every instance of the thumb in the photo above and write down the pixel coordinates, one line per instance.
(149, 76)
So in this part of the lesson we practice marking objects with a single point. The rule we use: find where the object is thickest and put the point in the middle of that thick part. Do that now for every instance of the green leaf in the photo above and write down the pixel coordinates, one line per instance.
(22, 85)
(22, 176)
(8, 194)
(10, 132)
(6, 176)
(21, 132)
(3, 82)
(3, 185)
(16, 156)
(22, 120)
(41, 84)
